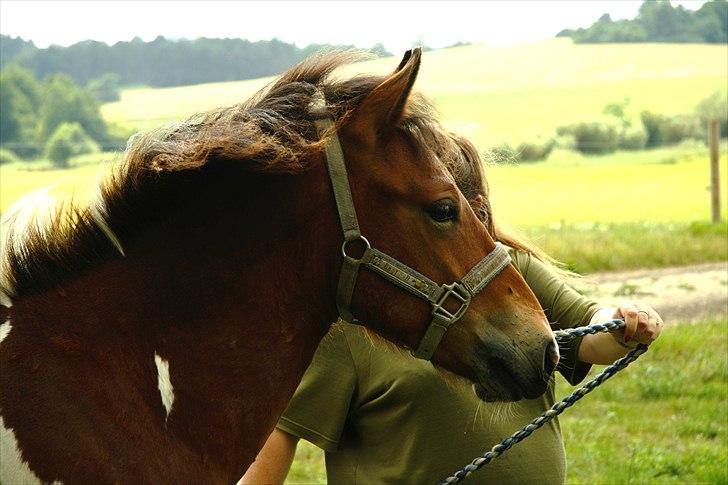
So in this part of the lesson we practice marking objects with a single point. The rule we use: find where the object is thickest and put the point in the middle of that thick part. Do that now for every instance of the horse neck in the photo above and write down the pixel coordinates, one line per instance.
(247, 289)
(235, 302)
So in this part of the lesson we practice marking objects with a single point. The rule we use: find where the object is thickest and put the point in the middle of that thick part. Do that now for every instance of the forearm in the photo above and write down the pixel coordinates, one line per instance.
(601, 348)
(273, 462)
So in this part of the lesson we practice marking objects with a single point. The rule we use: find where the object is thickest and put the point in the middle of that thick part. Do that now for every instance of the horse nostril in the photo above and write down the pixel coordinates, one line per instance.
(550, 358)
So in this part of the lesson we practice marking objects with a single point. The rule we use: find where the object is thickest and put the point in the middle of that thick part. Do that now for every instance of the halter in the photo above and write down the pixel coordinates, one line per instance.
(400, 274)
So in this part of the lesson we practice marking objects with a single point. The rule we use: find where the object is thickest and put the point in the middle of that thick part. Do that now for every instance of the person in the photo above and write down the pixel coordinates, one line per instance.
(382, 416)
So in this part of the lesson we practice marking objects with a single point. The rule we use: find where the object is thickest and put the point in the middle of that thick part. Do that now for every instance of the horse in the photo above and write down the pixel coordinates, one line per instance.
(156, 332)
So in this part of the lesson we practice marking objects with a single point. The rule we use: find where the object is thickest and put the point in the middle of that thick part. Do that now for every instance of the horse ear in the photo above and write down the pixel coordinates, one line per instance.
(382, 109)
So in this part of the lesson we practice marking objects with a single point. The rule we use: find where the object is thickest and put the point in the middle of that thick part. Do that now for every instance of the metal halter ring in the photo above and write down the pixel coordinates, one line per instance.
(347, 241)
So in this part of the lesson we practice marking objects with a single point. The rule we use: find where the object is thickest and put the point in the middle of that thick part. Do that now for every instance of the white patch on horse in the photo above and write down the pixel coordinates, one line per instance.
(5, 330)
(13, 469)
(164, 383)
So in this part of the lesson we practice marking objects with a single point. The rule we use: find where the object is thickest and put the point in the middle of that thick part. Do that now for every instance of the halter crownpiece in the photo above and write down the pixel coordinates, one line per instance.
(462, 292)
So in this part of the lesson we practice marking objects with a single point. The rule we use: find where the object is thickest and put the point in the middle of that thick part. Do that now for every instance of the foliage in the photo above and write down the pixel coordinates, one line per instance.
(666, 130)
(593, 137)
(7, 156)
(659, 21)
(163, 62)
(713, 107)
(32, 111)
(105, 88)
(619, 130)
(11, 48)
(500, 154)
(524, 152)
(68, 140)
(633, 138)
(65, 102)
(19, 102)
(534, 151)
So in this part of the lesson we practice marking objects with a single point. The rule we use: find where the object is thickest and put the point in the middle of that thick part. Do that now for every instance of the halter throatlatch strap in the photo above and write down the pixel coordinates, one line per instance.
(459, 292)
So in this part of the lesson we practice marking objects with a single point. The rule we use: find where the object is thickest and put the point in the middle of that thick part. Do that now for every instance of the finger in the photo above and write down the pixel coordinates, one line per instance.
(629, 312)
(645, 332)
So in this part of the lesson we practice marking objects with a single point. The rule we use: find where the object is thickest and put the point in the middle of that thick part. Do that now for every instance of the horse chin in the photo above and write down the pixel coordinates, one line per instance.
(497, 394)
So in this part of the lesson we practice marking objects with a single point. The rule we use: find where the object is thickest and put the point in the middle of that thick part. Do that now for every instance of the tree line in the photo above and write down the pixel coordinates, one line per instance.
(659, 21)
(54, 118)
(161, 62)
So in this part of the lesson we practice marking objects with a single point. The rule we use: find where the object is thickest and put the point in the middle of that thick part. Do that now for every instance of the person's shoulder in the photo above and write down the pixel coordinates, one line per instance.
(521, 259)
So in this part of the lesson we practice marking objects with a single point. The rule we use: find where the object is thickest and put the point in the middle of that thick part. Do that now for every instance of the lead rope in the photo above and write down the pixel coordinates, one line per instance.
(559, 407)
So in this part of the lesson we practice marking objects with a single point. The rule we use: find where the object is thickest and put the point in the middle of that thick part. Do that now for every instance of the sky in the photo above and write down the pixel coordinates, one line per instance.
(396, 24)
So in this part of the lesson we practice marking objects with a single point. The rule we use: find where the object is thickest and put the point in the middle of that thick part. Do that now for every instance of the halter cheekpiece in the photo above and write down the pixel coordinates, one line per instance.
(400, 274)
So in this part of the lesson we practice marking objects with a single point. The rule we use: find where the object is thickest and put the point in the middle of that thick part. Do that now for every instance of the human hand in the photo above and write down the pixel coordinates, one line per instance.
(642, 324)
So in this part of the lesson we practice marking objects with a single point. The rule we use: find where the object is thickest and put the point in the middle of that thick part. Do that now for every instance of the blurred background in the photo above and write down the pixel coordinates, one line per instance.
(593, 119)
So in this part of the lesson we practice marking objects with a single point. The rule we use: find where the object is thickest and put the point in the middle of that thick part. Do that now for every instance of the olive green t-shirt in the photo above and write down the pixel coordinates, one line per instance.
(383, 416)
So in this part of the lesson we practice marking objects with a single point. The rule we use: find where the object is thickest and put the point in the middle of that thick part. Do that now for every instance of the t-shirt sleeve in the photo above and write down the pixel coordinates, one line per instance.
(564, 308)
(319, 408)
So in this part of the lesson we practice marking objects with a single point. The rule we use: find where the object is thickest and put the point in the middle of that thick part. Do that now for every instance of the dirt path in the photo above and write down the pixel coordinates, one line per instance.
(679, 294)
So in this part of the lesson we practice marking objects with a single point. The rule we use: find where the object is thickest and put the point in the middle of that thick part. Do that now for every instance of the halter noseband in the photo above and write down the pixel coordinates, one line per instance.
(386, 266)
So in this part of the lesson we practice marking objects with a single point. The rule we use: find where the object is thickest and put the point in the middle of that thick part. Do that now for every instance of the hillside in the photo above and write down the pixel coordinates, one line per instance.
(496, 94)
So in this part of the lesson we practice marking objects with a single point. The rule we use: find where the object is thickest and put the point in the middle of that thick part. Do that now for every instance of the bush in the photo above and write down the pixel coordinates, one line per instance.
(7, 156)
(501, 154)
(532, 152)
(714, 107)
(592, 137)
(68, 140)
(633, 139)
(664, 130)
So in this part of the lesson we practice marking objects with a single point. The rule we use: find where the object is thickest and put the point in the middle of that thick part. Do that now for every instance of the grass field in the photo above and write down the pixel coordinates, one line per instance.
(626, 210)
(496, 94)
(662, 420)
(607, 212)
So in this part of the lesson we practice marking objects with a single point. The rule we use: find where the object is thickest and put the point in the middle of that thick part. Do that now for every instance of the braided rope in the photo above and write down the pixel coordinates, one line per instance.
(559, 407)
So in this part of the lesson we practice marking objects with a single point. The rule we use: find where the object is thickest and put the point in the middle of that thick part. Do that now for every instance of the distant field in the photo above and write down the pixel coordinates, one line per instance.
(500, 94)
(665, 185)
(514, 94)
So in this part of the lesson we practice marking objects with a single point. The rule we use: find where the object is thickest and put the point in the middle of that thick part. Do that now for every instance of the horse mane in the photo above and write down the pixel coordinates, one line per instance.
(46, 240)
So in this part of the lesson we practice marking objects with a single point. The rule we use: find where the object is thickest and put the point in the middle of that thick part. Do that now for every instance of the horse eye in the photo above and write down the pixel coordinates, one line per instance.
(443, 210)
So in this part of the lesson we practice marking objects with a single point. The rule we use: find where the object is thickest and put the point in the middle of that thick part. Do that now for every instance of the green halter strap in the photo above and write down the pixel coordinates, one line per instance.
(386, 266)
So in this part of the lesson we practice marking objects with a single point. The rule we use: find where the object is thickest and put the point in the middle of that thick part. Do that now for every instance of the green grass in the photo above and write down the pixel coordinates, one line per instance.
(496, 94)
(665, 185)
(662, 420)
(16, 180)
(587, 248)
(622, 211)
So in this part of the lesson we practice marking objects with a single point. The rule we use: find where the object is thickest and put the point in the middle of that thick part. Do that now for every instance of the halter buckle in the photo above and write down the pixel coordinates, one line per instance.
(460, 293)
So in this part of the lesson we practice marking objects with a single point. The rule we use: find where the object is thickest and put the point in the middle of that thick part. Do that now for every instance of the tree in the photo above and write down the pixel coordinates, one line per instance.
(68, 140)
(659, 21)
(105, 88)
(19, 101)
(64, 101)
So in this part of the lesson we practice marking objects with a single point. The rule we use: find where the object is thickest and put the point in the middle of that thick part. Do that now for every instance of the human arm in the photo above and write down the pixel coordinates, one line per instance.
(317, 411)
(566, 308)
(643, 326)
(274, 460)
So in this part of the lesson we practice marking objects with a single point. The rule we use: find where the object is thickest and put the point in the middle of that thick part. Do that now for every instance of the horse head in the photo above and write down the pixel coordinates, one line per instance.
(412, 211)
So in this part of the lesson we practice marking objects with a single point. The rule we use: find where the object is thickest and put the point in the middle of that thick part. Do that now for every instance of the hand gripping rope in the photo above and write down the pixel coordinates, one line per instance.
(559, 407)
